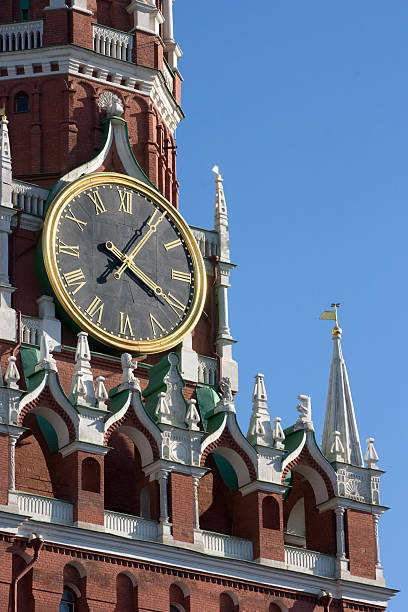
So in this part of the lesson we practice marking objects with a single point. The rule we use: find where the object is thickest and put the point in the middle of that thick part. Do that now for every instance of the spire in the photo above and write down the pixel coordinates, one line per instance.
(5, 162)
(221, 217)
(340, 435)
(260, 432)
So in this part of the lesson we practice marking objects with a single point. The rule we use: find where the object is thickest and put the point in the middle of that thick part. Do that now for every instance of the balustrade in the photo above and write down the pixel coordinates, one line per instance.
(128, 526)
(112, 43)
(227, 546)
(21, 36)
(44, 508)
(309, 561)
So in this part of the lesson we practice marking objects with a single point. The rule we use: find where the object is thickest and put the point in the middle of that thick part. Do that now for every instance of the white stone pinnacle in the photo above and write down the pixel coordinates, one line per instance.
(163, 411)
(192, 417)
(337, 448)
(278, 434)
(46, 361)
(12, 376)
(305, 413)
(82, 388)
(221, 217)
(101, 394)
(371, 457)
(5, 165)
(340, 415)
(260, 431)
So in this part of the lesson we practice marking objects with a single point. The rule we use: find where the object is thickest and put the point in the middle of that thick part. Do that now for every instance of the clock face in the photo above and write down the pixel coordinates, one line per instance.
(123, 263)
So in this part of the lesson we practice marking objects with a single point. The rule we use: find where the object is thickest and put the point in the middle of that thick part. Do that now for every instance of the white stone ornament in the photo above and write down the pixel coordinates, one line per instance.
(101, 394)
(12, 376)
(305, 413)
(129, 380)
(278, 434)
(260, 432)
(226, 403)
(371, 457)
(174, 394)
(337, 449)
(82, 387)
(163, 411)
(192, 417)
(46, 361)
(111, 103)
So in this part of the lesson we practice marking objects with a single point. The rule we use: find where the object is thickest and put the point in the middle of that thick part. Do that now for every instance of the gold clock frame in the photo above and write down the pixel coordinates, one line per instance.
(49, 257)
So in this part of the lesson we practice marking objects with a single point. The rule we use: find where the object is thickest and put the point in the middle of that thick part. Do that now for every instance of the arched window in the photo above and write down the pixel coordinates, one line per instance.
(67, 601)
(126, 593)
(228, 603)
(179, 598)
(91, 475)
(21, 102)
(273, 607)
(270, 513)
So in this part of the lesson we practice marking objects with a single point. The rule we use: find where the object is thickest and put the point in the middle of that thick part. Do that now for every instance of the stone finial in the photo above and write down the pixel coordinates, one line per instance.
(337, 448)
(259, 431)
(101, 394)
(5, 164)
(305, 413)
(371, 457)
(226, 403)
(277, 434)
(192, 416)
(163, 411)
(111, 103)
(82, 388)
(129, 380)
(46, 361)
(12, 376)
(165, 377)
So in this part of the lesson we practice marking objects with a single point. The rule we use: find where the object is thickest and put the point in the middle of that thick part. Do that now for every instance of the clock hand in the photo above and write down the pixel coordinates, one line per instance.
(152, 228)
(158, 291)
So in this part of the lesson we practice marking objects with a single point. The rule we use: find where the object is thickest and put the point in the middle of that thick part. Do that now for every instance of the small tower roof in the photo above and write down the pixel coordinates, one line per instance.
(340, 417)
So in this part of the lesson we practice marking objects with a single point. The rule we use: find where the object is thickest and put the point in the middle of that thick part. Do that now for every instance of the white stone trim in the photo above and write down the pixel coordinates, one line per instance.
(78, 62)
(361, 590)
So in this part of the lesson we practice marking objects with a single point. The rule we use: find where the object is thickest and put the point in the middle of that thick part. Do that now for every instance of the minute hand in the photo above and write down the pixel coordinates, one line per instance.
(152, 228)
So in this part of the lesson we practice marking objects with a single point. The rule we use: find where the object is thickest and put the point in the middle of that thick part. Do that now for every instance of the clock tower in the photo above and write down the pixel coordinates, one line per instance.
(126, 483)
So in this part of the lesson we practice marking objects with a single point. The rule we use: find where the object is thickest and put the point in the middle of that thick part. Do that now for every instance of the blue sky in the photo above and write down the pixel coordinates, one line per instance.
(304, 105)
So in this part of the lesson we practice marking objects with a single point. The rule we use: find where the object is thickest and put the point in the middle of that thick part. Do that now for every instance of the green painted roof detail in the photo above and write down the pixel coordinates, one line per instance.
(158, 384)
(29, 358)
(207, 399)
(227, 472)
(49, 434)
(287, 483)
(117, 400)
(293, 439)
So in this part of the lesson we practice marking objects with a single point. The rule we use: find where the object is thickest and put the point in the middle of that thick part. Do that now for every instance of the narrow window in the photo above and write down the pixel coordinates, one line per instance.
(67, 601)
(22, 104)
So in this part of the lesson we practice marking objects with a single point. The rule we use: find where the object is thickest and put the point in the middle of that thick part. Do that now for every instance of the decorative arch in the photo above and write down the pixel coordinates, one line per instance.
(270, 513)
(277, 606)
(138, 433)
(229, 602)
(90, 475)
(126, 592)
(227, 447)
(46, 406)
(179, 597)
(306, 465)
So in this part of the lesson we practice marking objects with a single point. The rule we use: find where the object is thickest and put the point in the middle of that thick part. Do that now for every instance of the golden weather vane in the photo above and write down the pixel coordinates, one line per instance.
(331, 315)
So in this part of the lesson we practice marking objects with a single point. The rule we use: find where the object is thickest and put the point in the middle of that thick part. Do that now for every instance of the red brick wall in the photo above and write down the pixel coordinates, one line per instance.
(157, 585)
(215, 501)
(181, 506)
(88, 505)
(360, 543)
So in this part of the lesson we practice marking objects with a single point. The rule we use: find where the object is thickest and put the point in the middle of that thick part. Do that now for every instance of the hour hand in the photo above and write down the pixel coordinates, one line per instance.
(111, 247)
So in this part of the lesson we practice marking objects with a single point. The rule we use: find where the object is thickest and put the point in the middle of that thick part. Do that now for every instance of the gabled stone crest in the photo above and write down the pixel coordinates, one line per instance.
(165, 378)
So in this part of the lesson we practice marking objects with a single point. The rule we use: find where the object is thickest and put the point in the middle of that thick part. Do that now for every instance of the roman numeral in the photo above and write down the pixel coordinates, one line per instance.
(181, 276)
(95, 307)
(67, 249)
(175, 304)
(125, 202)
(96, 199)
(125, 325)
(154, 322)
(75, 278)
(72, 217)
(172, 245)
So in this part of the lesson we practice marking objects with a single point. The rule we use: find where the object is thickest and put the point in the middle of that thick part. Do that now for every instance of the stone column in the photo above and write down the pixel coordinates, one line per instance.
(195, 493)
(341, 543)
(164, 507)
(377, 541)
(12, 463)
(168, 21)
